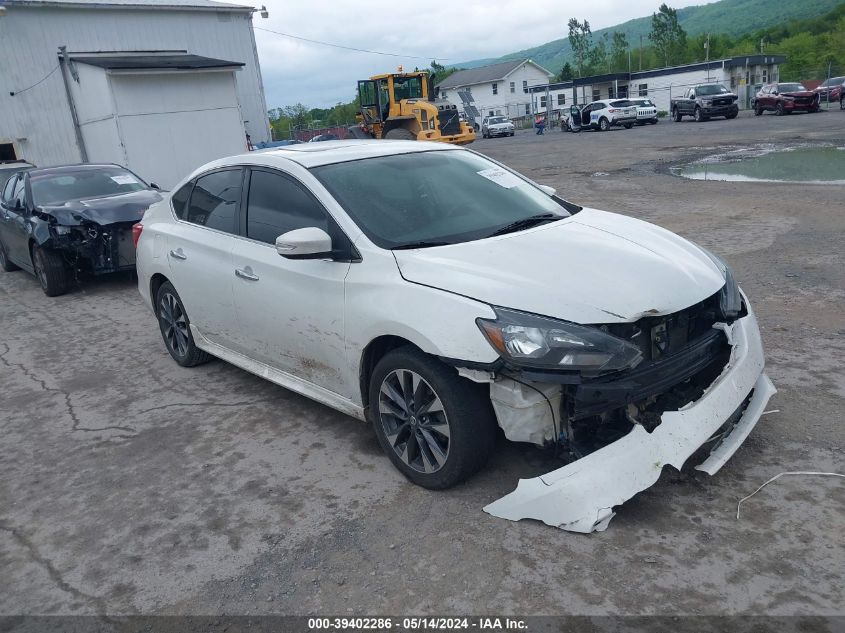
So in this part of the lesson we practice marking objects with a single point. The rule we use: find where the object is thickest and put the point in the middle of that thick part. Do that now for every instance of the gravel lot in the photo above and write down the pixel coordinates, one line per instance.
(131, 485)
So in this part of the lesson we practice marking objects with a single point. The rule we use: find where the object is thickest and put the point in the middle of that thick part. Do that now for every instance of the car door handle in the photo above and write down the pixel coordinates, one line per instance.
(178, 254)
(246, 273)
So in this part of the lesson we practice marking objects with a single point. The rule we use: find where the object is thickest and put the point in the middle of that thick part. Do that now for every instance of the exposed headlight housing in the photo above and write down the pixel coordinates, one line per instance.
(730, 298)
(529, 340)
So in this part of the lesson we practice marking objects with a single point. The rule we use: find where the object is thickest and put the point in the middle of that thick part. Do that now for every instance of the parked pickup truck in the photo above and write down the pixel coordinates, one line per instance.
(705, 101)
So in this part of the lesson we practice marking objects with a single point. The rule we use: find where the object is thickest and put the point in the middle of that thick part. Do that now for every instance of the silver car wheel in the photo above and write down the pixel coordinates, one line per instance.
(414, 421)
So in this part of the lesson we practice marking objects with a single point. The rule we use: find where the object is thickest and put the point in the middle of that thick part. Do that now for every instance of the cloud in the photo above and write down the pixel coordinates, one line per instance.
(319, 76)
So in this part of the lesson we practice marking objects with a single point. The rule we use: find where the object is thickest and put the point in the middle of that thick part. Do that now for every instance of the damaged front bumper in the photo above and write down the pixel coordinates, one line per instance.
(580, 496)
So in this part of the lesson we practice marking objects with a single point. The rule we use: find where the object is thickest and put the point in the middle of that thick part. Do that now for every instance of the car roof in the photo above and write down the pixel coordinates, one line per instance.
(59, 169)
(328, 152)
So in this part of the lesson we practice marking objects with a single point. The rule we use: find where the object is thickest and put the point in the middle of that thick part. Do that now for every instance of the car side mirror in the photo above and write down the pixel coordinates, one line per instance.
(549, 191)
(155, 186)
(307, 243)
(774, 92)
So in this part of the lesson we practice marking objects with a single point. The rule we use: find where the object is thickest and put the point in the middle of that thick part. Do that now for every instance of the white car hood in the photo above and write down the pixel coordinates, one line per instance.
(594, 267)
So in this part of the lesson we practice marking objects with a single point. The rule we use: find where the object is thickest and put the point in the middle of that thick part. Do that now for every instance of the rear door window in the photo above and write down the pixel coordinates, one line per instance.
(214, 200)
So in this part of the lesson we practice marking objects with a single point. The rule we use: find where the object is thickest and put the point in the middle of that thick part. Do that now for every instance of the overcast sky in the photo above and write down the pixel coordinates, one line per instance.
(451, 32)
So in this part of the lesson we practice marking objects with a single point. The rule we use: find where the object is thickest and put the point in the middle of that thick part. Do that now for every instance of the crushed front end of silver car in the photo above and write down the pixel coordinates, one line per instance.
(700, 381)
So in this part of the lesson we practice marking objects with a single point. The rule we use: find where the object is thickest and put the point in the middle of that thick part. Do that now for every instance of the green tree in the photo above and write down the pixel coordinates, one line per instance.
(580, 39)
(668, 37)
(599, 56)
(566, 73)
(619, 51)
(298, 114)
(440, 72)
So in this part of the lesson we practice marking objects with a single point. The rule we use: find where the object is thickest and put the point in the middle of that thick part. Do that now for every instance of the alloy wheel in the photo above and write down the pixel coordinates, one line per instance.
(175, 324)
(414, 421)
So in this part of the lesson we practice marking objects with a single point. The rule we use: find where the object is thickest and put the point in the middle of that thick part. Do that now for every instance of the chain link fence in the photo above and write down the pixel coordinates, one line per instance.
(307, 131)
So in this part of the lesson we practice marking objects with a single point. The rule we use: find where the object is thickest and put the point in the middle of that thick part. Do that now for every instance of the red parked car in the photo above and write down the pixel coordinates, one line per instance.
(832, 90)
(785, 98)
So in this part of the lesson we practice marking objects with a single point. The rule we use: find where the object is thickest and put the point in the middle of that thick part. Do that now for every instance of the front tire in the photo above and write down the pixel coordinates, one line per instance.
(698, 116)
(604, 125)
(6, 263)
(779, 109)
(437, 428)
(400, 134)
(176, 328)
(628, 126)
(841, 104)
(676, 115)
(51, 271)
(758, 110)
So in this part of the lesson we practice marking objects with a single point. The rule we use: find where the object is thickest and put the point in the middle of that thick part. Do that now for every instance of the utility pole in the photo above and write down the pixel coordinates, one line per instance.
(707, 48)
(761, 45)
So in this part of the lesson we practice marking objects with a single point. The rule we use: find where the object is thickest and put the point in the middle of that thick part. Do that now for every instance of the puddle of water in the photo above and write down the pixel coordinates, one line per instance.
(809, 165)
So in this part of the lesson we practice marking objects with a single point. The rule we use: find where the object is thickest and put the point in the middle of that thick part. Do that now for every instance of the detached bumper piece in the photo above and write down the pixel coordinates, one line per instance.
(580, 496)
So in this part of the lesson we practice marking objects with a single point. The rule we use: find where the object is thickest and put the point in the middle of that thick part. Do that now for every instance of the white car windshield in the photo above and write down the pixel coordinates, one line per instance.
(435, 198)
(497, 119)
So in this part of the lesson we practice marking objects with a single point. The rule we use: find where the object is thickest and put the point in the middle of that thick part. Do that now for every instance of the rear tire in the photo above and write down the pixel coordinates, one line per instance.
(5, 263)
(175, 328)
(51, 271)
(400, 134)
(841, 104)
(628, 126)
(437, 428)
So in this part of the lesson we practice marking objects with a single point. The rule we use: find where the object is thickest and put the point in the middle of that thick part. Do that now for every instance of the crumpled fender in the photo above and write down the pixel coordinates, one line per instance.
(580, 497)
(40, 231)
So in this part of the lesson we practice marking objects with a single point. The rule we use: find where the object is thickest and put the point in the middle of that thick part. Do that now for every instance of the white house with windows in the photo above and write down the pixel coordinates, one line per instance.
(743, 75)
(502, 88)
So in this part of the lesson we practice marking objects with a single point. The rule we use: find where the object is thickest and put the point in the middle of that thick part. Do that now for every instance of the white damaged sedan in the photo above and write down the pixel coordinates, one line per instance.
(438, 294)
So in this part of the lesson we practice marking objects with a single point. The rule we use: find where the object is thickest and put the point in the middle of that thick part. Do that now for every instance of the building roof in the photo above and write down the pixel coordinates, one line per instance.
(729, 62)
(201, 5)
(124, 61)
(483, 74)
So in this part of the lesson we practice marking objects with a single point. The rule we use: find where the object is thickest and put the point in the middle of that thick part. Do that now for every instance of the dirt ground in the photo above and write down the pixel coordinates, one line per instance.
(131, 485)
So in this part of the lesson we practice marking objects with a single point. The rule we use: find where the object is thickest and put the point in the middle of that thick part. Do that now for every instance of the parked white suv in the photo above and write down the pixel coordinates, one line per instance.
(646, 111)
(496, 126)
(606, 113)
(436, 293)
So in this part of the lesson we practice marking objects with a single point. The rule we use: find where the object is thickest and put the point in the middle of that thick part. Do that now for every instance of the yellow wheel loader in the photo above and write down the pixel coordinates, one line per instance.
(402, 106)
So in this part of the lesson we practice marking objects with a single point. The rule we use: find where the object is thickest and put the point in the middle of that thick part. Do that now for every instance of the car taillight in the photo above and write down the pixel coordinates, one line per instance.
(612, 110)
(136, 233)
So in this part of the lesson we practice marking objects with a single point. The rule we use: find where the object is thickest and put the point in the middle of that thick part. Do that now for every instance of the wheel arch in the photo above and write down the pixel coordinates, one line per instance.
(372, 354)
(156, 282)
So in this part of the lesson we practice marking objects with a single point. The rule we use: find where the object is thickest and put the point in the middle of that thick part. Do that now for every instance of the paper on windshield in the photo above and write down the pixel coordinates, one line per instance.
(124, 179)
(501, 177)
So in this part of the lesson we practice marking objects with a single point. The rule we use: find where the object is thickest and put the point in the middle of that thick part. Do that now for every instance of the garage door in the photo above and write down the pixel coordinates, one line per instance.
(172, 123)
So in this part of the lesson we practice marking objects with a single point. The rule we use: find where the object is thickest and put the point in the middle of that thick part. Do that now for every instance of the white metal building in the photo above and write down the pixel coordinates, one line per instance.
(743, 75)
(160, 86)
(497, 89)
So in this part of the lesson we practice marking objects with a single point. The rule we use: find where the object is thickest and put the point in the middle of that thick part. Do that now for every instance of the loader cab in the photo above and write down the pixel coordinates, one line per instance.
(374, 96)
